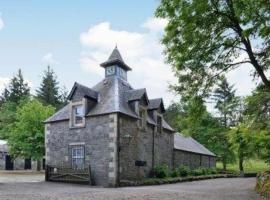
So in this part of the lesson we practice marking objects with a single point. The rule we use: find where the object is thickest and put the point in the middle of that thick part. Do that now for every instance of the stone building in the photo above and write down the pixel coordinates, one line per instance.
(112, 127)
(8, 163)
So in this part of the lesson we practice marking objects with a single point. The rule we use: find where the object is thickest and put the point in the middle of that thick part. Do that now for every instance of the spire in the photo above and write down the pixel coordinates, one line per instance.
(115, 59)
(115, 55)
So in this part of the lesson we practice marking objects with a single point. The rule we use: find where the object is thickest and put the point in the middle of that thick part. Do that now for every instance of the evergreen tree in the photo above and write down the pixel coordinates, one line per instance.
(49, 92)
(17, 89)
(15, 94)
(227, 105)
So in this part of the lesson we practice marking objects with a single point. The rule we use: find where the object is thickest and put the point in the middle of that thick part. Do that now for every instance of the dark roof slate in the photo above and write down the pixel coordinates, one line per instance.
(134, 95)
(155, 104)
(189, 144)
(83, 91)
(115, 58)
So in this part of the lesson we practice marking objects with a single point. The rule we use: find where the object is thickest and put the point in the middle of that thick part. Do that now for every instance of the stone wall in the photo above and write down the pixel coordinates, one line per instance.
(95, 137)
(142, 144)
(164, 143)
(192, 160)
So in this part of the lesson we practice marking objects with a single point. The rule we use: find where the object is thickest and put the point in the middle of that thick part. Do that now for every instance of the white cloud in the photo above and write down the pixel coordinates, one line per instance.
(3, 83)
(141, 51)
(49, 59)
(2, 24)
(155, 24)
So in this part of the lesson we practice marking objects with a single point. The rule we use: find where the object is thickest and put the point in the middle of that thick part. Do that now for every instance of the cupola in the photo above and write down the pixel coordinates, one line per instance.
(115, 65)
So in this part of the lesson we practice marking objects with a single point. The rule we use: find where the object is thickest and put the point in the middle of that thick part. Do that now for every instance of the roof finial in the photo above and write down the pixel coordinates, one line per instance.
(115, 45)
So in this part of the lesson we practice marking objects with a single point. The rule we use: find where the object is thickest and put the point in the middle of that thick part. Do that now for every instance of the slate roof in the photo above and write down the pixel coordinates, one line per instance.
(84, 91)
(189, 144)
(155, 104)
(113, 94)
(115, 58)
(133, 95)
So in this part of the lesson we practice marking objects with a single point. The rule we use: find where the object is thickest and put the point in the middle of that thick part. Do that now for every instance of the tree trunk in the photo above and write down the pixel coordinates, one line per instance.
(38, 165)
(246, 42)
(241, 166)
(224, 163)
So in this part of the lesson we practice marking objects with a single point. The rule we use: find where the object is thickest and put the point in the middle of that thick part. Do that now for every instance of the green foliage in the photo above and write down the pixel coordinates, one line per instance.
(174, 173)
(204, 39)
(17, 89)
(161, 171)
(199, 172)
(16, 93)
(27, 136)
(183, 171)
(250, 166)
(49, 92)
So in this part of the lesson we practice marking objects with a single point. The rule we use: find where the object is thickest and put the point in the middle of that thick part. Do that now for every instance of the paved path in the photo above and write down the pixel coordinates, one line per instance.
(217, 189)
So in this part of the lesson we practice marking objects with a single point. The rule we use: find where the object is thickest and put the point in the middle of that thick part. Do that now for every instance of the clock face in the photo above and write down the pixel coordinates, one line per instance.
(110, 70)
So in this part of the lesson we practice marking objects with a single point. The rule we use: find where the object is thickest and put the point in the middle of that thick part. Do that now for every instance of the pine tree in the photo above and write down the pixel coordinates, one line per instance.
(14, 95)
(226, 102)
(49, 92)
(17, 89)
(227, 105)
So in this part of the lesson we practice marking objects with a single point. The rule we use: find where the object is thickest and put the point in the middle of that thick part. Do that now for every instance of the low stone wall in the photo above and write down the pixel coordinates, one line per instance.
(263, 183)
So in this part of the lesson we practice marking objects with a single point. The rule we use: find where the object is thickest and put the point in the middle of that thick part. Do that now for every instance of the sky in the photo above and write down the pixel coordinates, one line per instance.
(74, 37)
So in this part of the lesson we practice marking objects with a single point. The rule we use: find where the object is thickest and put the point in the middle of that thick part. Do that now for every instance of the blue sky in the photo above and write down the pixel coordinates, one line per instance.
(75, 36)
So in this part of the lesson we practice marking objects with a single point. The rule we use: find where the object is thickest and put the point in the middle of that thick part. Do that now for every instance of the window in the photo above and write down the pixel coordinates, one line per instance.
(159, 124)
(142, 114)
(77, 115)
(77, 157)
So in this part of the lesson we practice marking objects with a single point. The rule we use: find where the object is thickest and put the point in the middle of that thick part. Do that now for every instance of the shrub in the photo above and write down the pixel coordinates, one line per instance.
(161, 171)
(213, 170)
(183, 171)
(174, 173)
(198, 172)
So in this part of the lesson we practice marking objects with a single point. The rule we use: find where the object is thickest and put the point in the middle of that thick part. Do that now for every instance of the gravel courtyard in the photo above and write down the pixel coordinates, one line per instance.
(217, 189)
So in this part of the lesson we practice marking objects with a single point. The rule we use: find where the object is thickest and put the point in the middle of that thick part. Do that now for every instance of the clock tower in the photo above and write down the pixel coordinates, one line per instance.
(115, 65)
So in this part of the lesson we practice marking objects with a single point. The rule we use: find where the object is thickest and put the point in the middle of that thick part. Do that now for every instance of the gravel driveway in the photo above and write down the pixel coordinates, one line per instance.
(216, 189)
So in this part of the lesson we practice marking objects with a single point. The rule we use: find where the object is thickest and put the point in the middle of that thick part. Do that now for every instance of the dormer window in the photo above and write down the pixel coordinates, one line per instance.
(78, 114)
(159, 124)
(142, 115)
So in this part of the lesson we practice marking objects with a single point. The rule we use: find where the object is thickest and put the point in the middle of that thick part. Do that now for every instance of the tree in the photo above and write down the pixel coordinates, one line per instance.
(27, 136)
(192, 118)
(227, 104)
(49, 92)
(206, 38)
(17, 89)
(15, 94)
(243, 144)
(257, 114)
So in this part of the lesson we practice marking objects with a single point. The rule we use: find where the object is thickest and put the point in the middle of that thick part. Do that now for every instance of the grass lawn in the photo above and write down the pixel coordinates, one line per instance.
(249, 166)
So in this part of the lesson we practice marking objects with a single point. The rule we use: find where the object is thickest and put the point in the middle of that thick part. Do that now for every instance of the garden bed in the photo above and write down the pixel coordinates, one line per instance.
(159, 181)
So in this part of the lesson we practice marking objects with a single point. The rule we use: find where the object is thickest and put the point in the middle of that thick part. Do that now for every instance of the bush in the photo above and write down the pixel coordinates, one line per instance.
(213, 170)
(161, 171)
(198, 172)
(174, 173)
(183, 171)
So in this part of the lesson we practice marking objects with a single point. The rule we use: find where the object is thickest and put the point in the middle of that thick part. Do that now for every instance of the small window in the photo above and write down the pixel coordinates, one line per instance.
(159, 124)
(77, 157)
(142, 114)
(77, 115)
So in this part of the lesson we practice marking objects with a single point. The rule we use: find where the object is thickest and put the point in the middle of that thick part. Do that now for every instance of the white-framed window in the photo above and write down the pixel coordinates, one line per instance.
(77, 112)
(142, 115)
(77, 157)
(159, 124)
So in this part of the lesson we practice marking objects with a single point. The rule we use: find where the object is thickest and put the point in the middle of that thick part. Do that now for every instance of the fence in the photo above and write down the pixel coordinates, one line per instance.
(68, 175)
